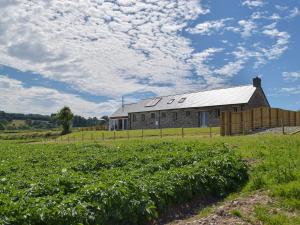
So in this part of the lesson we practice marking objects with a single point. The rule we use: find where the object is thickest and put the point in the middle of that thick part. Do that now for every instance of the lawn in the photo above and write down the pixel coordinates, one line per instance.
(134, 181)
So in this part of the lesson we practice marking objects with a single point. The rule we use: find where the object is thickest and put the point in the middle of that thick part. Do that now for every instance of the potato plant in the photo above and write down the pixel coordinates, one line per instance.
(130, 183)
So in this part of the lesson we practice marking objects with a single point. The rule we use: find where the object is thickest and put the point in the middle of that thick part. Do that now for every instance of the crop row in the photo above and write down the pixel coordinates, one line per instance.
(98, 184)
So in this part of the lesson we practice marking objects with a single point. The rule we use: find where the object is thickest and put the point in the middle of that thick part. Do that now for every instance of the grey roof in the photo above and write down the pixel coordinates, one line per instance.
(218, 97)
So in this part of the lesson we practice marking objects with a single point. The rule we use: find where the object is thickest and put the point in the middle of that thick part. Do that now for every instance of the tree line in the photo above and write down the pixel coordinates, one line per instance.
(38, 121)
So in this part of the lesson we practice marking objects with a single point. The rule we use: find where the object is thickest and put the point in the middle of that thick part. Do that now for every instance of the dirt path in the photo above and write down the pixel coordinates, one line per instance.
(230, 212)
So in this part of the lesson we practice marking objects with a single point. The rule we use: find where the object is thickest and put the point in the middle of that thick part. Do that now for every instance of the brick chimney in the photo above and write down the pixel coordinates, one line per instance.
(256, 82)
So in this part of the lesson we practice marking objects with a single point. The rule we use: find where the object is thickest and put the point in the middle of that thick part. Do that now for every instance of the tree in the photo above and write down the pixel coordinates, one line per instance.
(65, 117)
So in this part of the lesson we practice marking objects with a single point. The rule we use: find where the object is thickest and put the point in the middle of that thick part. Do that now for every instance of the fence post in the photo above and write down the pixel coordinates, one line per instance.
(210, 133)
(160, 132)
(270, 117)
(242, 125)
(142, 133)
(114, 135)
(282, 124)
(102, 136)
(182, 133)
(252, 120)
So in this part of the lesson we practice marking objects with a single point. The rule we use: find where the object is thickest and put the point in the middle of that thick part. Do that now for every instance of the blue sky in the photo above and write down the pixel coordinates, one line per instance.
(87, 54)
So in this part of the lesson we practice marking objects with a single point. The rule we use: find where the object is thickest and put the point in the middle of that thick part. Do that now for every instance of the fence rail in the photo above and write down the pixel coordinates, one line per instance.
(84, 136)
(248, 121)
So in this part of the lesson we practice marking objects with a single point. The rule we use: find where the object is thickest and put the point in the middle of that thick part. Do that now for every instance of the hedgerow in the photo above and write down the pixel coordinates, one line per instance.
(99, 184)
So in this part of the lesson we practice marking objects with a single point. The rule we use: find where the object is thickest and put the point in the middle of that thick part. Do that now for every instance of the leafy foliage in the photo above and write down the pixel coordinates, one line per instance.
(110, 184)
(65, 117)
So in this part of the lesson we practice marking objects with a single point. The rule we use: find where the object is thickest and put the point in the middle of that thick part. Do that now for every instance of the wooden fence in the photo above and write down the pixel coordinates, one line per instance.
(248, 121)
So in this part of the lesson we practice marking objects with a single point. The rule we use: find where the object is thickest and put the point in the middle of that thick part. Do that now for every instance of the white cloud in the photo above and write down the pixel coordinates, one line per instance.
(208, 27)
(105, 48)
(115, 48)
(291, 75)
(231, 69)
(17, 98)
(281, 7)
(281, 45)
(248, 27)
(253, 3)
(290, 90)
(294, 12)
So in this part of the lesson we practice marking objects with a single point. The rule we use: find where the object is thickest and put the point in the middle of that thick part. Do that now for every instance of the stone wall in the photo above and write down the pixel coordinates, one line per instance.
(258, 99)
(184, 118)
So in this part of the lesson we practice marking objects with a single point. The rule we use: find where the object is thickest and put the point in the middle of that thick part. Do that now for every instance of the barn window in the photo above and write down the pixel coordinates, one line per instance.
(187, 113)
(143, 117)
(181, 100)
(153, 115)
(171, 100)
(134, 117)
(163, 115)
(235, 109)
(174, 116)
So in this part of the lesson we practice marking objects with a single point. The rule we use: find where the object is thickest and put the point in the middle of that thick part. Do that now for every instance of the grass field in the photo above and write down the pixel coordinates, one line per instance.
(132, 134)
(29, 135)
(72, 183)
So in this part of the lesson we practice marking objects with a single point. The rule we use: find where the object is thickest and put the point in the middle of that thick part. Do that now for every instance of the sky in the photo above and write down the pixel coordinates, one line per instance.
(87, 54)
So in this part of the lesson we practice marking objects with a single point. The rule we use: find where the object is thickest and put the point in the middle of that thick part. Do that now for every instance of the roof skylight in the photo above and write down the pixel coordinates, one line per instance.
(171, 100)
(182, 100)
(153, 102)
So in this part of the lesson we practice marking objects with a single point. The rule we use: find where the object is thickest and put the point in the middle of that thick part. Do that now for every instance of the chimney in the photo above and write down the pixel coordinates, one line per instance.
(256, 82)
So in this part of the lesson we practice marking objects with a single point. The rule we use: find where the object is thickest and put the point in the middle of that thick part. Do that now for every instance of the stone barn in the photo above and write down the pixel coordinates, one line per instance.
(197, 109)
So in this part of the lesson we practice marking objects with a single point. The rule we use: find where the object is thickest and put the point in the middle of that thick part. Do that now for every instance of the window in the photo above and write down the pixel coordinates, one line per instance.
(171, 100)
(163, 115)
(181, 100)
(143, 117)
(187, 113)
(235, 109)
(174, 116)
(153, 102)
(152, 115)
(134, 117)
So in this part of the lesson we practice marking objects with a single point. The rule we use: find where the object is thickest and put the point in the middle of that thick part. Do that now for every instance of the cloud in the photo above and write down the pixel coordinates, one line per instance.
(17, 98)
(253, 3)
(105, 48)
(293, 13)
(114, 48)
(231, 69)
(291, 75)
(290, 90)
(208, 27)
(248, 27)
(281, 45)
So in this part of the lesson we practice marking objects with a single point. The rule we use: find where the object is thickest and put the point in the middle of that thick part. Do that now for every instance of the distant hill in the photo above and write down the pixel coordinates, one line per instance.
(14, 121)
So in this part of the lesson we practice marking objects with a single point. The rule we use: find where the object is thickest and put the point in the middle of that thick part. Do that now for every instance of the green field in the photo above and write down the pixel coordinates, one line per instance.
(29, 135)
(95, 184)
(147, 133)
(133, 182)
